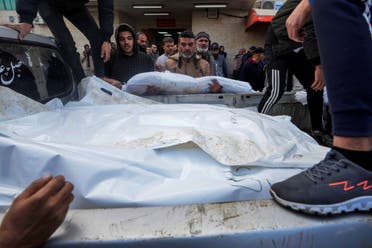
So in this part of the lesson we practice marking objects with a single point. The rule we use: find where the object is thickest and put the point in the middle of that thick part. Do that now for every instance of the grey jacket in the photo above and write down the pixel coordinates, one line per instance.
(218, 66)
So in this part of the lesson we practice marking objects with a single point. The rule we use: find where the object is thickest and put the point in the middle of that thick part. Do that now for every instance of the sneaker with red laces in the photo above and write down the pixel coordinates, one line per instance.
(333, 186)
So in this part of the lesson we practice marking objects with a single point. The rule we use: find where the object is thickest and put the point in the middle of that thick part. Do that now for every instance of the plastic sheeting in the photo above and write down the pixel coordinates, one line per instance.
(15, 105)
(151, 154)
(166, 83)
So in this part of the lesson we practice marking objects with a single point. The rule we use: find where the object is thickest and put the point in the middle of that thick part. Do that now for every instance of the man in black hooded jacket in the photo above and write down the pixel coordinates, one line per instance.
(128, 60)
(53, 12)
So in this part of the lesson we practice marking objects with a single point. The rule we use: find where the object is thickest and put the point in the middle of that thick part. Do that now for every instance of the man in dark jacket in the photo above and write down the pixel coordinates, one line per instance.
(128, 60)
(302, 59)
(53, 12)
(252, 71)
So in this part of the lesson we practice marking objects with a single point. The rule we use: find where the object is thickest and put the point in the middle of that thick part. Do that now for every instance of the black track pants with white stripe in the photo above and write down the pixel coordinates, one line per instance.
(276, 76)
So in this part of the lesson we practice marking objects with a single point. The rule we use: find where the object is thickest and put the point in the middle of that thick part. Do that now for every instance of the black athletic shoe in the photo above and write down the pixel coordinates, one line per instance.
(334, 185)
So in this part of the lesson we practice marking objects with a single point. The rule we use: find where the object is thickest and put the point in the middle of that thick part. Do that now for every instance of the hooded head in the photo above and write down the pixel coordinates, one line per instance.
(126, 40)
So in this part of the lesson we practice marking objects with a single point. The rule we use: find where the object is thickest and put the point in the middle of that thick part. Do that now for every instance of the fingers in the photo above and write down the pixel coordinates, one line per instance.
(22, 28)
(64, 193)
(35, 186)
(106, 57)
(297, 37)
(21, 35)
(50, 189)
(294, 33)
(8, 25)
(105, 51)
(61, 212)
(103, 55)
(317, 85)
(118, 85)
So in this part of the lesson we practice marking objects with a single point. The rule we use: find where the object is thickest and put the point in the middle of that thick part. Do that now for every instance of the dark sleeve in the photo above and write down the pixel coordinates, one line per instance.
(26, 10)
(246, 72)
(278, 22)
(224, 68)
(106, 17)
(311, 44)
(261, 77)
(270, 40)
(149, 64)
(108, 66)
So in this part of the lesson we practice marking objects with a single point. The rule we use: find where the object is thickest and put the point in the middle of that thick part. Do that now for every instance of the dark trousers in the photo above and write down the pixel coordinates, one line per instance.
(82, 20)
(276, 74)
(345, 42)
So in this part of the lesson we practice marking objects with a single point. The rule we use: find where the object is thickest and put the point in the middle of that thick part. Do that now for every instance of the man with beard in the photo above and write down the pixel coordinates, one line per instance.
(142, 41)
(127, 61)
(202, 46)
(186, 61)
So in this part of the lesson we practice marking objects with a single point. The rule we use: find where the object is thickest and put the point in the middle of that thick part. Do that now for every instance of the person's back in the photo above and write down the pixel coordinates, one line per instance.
(252, 71)
(238, 59)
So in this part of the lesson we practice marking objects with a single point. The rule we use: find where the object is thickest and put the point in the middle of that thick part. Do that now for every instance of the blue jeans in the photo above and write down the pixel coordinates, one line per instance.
(82, 20)
(345, 42)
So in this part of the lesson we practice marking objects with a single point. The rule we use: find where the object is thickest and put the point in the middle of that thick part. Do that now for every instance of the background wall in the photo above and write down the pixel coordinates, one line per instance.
(228, 29)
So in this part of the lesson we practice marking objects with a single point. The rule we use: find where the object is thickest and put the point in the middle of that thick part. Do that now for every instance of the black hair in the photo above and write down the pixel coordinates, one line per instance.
(187, 34)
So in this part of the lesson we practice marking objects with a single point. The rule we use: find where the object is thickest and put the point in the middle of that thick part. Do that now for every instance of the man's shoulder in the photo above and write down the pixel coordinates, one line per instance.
(162, 57)
(174, 57)
(144, 56)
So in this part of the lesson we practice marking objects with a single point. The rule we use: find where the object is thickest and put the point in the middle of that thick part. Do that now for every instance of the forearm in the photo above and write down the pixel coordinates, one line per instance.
(304, 7)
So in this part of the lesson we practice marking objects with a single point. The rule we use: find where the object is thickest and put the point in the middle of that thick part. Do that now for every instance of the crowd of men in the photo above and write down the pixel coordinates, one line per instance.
(197, 50)
(340, 182)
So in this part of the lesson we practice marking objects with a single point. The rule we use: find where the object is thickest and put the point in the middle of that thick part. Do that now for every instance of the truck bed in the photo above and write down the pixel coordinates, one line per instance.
(258, 223)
